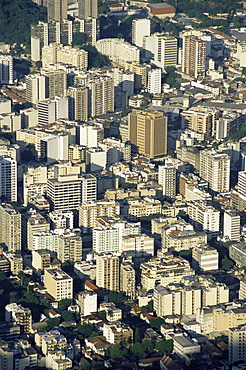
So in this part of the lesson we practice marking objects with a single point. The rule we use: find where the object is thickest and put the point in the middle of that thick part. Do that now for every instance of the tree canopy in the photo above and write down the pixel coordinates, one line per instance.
(16, 18)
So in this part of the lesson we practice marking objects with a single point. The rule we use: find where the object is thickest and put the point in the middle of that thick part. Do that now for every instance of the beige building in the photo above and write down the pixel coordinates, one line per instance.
(215, 168)
(20, 315)
(220, 318)
(89, 212)
(70, 246)
(16, 263)
(237, 342)
(138, 244)
(57, 10)
(140, 72)
(134, 208)
(200, 119)
(127, 279)
(101, 90)
(164, 271)
(57, 83)
(57, 53)
(148, 132)
(10, 228)
(117, 332)
(78, 103)
(32, 223)
(177, 240)
(194, 54)
(58, 284)
(40, 260)
(112, 312)
(205, 258)
(107, 272)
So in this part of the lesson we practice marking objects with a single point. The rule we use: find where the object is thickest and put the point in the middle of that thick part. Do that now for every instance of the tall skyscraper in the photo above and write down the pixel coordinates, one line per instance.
(51, 109)
(87, 9)
(107, 272)
(196, 47)
(36, 88)
(6, 69)
(10, 228)
(78, 103)
(215, 168)
(8, 179)
(148, 132)
(167, 179)
(140, 28)
(57, 10)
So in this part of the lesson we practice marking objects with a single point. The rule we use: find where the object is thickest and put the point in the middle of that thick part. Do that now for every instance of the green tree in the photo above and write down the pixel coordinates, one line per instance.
(156, 323)
(164, 346)
(137, 336)
(64, 304)
(79, 38)
(227, 263)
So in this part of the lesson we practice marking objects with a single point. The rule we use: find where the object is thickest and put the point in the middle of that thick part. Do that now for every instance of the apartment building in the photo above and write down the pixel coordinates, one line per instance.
(10, 228)
(58, 284)
(108, 272)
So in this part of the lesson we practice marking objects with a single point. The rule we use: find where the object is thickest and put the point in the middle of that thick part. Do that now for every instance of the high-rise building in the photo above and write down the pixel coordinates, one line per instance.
(237, 344)
(118, 50)
(215, 168)
(6, 69)
(204, 218)
(36, 88)
(56, 83)
(78, 103)
(51, 109)
(57, 10)
(154, 81)
(70, 246)
(8, 176)
(58, 284)
(140, 73)
(140, 28)
(88, 188)
(107, 272)
(32, 223)
(89, 212)
(89, 135)
(166, 51)
(64, 193)
(20, 315)
(167, 179)
(242, 182)
(205, 258)
(6, 356)
(87, 302)
(148, 132)
(57, 53)
(231, 227)
(200, 119)
(127, 279)
(87, 9)
(196, 47)
(101, 95)
(10, 228)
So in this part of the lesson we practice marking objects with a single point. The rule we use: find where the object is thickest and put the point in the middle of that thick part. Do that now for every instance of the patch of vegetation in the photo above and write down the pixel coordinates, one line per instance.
(16, 18)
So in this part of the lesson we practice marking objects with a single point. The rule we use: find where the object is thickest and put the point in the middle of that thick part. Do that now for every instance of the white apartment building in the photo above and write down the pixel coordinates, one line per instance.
(61, 220)
(154, 81)
(215, 168)
(109, 239)
(237, 344)
(167, 179)
(89, 212)
(49, 110)
(90, 134)
(205, 258)
(87, 302)
(118, 50)
(57, 53)
(140, 28)
(204, 218)
(231, 227)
